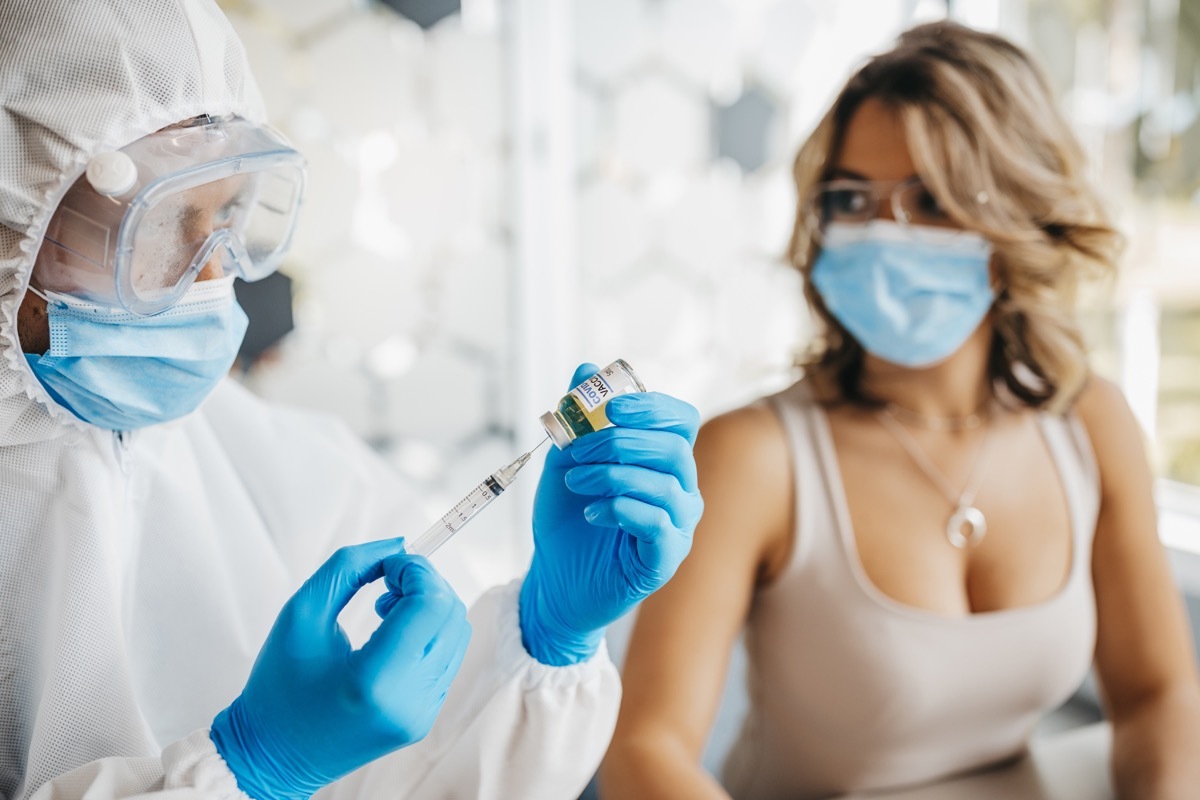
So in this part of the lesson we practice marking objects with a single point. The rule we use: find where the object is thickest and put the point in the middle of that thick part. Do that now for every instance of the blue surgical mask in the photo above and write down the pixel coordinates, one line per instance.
(121, 371)
(910, 295)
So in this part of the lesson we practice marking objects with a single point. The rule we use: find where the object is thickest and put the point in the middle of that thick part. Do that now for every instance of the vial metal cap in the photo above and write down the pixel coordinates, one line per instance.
(558, 432)
(112, 174)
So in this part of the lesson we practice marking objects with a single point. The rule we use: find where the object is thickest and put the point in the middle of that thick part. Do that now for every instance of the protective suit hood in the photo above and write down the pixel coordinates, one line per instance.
(77, 79)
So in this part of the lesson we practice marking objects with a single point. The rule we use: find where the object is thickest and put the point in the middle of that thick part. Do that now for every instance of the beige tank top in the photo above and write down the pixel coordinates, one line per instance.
(851, 690)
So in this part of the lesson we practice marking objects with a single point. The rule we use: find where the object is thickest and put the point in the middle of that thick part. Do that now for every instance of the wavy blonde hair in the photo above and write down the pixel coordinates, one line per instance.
(991, 146)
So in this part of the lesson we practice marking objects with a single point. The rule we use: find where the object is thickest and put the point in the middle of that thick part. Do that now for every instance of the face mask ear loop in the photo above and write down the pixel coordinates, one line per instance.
(40, 294)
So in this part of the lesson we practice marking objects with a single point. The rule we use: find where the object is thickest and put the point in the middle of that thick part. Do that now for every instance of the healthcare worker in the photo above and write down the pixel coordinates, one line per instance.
(166, 622)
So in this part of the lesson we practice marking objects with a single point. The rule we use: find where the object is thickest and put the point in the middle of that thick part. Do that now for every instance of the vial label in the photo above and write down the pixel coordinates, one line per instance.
(595, 391)
(582, 410)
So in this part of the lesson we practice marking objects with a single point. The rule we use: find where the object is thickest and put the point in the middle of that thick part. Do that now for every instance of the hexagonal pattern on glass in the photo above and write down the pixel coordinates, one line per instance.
(365, 72)
(468, 79)
(271, 58)
(613, 229)
(665, 316)
(746, 128)
(698, 40)
(589, 126)
(703, 230)
(327, 213)
(810, 48)
(443, 399)
(768, 211)
(367, 298)
(471, 298)
(611, 37)
(306, 380)
(297, 15)
(661, 125)
(788, 29)
(440, 189)
(761, 316)
(425, 13)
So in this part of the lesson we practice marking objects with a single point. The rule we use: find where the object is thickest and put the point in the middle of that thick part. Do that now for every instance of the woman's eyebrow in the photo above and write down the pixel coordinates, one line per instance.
(849, 174)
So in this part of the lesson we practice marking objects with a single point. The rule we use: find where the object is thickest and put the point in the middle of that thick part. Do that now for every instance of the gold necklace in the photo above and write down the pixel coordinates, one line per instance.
(967, 525)
(970, 422)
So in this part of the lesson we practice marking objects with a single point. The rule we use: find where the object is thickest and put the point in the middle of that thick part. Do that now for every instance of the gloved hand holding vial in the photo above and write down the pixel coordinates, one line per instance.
(614, 511)
(580, 411)
(636, 482)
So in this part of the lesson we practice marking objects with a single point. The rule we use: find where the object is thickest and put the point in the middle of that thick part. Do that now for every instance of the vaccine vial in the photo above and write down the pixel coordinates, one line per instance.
(582, 409)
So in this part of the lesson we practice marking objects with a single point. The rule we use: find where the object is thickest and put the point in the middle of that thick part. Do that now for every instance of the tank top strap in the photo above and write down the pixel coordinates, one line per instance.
(1071, 449)
(815, 508)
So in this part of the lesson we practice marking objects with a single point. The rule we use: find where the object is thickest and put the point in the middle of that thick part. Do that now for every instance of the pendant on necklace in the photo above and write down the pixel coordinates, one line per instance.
(967, 527)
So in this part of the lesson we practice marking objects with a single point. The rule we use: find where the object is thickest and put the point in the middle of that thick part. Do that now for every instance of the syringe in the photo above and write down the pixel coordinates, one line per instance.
(466, 509)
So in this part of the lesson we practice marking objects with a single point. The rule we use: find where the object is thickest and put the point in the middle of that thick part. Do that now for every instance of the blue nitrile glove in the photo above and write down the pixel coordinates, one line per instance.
(612, 521)
(314, 709)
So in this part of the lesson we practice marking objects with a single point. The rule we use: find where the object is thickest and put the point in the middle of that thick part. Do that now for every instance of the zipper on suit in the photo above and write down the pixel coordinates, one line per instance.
(121, 442)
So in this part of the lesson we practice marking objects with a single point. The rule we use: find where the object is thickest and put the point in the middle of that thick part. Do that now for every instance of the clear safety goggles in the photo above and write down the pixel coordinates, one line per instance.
(144, 221)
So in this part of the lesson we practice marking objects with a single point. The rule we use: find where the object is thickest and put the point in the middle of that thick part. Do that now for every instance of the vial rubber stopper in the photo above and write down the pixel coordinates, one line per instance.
(558, 433)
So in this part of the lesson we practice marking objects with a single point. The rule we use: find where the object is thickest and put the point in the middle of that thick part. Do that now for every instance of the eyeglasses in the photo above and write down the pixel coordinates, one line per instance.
(851, 201)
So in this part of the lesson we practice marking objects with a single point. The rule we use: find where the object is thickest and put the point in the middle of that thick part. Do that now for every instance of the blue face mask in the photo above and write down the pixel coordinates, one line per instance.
(120, 371)
(909, 295)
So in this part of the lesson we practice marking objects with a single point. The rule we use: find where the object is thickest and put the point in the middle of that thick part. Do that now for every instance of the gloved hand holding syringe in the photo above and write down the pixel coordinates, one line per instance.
(580, 411)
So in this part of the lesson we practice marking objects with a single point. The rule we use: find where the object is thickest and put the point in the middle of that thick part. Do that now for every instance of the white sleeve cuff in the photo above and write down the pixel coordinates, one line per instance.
(511, 726)
(500, 608)
(193, 762)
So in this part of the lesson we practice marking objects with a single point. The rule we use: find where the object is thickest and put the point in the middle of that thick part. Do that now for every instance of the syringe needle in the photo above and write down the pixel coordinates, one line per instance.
(504, 476)
(466, 509)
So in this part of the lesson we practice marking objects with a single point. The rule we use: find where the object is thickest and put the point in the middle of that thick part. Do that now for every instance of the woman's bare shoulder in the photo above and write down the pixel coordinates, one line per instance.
(743, 433)
(746, 480)
(1100, 401)
(1116, 437)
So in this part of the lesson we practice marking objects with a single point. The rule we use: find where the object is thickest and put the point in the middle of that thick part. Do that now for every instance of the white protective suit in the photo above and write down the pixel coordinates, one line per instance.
(139, 574)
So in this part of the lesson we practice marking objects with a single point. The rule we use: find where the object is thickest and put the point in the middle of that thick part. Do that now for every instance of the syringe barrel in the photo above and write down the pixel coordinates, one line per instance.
(454, 519)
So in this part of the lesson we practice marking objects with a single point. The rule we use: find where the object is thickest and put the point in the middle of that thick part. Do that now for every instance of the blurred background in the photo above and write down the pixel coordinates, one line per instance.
(501, 189)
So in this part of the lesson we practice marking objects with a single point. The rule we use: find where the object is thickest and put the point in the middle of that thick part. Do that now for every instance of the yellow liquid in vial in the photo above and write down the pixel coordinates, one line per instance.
(582, 410)
(578, 419)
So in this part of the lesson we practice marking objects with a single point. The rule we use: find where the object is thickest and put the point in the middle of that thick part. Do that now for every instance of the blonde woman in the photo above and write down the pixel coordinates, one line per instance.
(932, 536)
